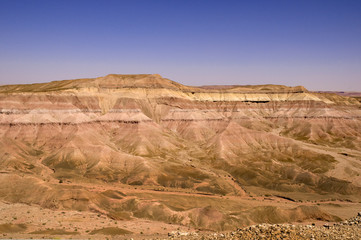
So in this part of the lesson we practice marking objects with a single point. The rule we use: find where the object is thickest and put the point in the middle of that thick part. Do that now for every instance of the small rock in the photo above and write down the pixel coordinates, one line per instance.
(172, 234)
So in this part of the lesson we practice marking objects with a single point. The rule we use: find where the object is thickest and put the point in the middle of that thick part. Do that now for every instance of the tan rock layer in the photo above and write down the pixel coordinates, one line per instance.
(143, 130)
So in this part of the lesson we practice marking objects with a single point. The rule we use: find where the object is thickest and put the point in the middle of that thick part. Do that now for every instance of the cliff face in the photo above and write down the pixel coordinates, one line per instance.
(149, 131)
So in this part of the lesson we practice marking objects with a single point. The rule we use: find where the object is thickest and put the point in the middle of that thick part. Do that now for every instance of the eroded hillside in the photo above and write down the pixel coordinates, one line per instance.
(144, 147)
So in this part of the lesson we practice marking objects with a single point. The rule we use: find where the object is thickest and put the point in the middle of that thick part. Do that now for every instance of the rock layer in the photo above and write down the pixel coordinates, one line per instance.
(144, 130)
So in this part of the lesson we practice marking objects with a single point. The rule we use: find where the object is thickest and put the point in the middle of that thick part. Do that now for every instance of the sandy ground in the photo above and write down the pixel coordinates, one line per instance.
(80, 224)
(27, 221)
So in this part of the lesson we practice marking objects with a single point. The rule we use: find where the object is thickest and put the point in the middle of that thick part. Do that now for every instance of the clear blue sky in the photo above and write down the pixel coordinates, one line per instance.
(293, 42)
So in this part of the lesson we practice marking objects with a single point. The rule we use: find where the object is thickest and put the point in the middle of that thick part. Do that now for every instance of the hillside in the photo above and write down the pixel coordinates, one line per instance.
(145, 148)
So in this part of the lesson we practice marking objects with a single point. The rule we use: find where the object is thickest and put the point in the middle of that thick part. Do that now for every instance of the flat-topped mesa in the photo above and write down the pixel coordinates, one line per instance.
(148, 81)
(111, 81)
(152, 86)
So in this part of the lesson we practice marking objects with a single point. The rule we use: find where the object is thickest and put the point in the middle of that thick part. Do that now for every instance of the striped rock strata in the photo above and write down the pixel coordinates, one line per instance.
(144, 130)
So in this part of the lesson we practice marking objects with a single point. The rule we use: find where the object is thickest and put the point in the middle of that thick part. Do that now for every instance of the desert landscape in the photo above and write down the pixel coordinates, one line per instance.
(144, 157)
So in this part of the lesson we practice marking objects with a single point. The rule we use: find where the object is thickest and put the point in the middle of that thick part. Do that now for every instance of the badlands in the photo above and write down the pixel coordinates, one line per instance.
(143, 157)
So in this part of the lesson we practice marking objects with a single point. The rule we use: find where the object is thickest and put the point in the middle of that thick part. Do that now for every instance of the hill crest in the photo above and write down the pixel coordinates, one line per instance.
(114, 81)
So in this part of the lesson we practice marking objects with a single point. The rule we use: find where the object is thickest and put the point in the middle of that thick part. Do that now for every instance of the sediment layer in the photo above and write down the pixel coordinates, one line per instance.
(144, 130)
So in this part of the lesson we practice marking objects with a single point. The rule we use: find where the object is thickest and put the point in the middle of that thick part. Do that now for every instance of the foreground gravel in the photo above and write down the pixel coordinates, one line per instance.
(350, 229)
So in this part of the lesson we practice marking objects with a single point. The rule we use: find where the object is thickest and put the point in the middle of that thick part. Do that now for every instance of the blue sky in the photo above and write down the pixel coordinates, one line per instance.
(310, 42)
